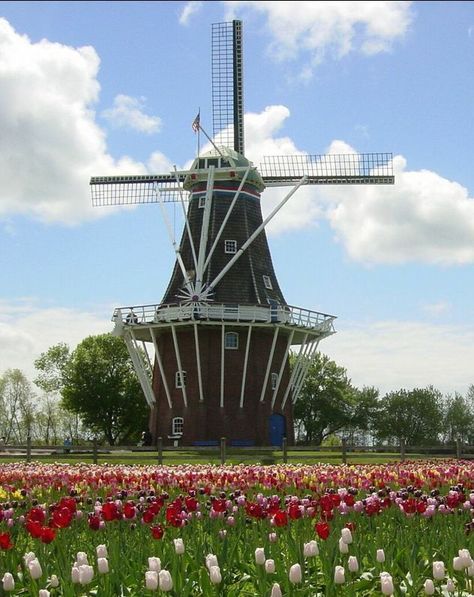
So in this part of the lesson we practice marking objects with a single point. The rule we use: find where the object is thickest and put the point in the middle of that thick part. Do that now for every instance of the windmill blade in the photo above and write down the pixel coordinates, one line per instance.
(130, 190)
(357, 168)
(227, 84)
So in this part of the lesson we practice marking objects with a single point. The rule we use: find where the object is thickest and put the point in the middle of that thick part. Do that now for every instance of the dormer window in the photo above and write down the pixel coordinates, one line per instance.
(267, 282)
(230, 246)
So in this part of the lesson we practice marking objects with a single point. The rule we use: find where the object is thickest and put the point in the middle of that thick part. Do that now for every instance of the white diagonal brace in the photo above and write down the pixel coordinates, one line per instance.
(160, 366)
(255, 235)
(282, 368)
(222, 363)
(186, 220)
(269, 364)
(295, 368)
(139, 367)
(306, 367)
(204, 230)
(244, 373)
(198, 362)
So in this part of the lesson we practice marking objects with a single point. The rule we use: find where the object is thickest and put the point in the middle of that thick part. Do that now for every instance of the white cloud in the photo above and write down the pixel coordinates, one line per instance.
(190, 9)
(436, 309)
(27, 330)
(127, 112)
(334, 29)
(50, 144)
(392, 355)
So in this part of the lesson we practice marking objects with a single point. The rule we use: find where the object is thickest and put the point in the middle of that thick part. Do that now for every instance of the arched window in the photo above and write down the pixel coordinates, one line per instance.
(274, 380)
(231, 340)
(177, 426)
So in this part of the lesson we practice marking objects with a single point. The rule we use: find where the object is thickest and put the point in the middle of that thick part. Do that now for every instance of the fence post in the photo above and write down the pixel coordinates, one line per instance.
(94, 450)
(344, 450)
(160, 451)
(284, 447)
(222, 450)
(402, 450)
(28, 448)
(458, 448)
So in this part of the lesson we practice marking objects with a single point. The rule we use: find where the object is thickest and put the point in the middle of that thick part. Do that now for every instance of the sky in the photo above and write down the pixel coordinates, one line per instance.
(103, 88)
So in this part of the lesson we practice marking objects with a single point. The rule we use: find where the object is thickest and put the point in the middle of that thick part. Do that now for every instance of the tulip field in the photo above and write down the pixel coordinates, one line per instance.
(231, 531)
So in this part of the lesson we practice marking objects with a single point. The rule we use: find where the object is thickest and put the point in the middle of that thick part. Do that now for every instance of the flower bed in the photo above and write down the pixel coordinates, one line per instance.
(401, 529)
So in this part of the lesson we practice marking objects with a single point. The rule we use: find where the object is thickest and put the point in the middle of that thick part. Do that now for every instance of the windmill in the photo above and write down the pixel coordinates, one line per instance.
(213, 356)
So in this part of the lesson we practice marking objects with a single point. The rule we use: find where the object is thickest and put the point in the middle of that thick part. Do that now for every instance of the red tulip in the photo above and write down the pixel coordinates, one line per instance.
(322, 529)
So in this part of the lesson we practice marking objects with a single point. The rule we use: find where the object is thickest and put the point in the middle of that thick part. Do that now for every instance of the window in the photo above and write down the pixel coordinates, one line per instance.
(267, 282)
(177, 426)
(230, 246)
(231, 340)
(202, 201)
(180, 379)
(274, 380)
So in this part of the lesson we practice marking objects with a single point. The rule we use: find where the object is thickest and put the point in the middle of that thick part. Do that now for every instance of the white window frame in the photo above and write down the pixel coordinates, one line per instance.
(274, 380)
(267, 282)
(230, 247)
(177, 426)
(202, 202)
(231, 345)
(180, 379)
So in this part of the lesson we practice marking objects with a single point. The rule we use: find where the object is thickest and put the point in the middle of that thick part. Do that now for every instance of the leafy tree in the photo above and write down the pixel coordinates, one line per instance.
(459, 418)
(52, 366)
(17, 411)
(100, 385)
(415, 416)
(326, 402)
(365, 413)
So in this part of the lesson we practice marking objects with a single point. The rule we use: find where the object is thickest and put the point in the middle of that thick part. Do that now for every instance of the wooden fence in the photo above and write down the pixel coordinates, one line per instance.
(266, 455)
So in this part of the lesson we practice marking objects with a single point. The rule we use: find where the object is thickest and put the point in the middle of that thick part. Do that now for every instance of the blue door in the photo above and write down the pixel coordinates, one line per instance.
(277, 429)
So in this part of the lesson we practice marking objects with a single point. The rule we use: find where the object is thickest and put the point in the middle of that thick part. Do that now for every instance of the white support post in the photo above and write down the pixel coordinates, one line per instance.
(255, 234)
(145, 350)
(140, 369)
(244, 373)
(302, 366)
(269, 365)
(222, 364)
(180, 368)
(161, 368)
(282, 367)
(303, 376)
(204, 230)
(227, 216)
(295, 368)
(198, 362)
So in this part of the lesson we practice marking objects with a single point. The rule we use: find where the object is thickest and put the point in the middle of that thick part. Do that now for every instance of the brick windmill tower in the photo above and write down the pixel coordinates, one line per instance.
(213, 356)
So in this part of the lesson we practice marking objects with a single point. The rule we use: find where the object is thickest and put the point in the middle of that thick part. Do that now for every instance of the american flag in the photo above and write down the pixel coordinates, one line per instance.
(197, 122)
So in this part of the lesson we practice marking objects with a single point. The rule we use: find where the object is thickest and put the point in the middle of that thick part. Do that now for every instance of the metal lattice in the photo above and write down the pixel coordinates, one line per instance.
(357, 168)
(227, 85)
(130, 190)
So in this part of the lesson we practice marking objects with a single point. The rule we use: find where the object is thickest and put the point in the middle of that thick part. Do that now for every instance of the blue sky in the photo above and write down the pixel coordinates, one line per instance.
(97, 88)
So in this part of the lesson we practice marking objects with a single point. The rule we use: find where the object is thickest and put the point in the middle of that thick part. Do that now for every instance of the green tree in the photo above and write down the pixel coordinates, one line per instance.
(17, 409)
(459, 418)
(415, 416)
(326, 402)
(51, 366)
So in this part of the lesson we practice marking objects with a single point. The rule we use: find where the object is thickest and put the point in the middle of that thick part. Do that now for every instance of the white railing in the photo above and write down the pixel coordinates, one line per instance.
(167, 313)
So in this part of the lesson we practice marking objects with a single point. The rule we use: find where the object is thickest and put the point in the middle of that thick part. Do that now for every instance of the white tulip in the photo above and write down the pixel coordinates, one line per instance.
(81, 558)
(260, 556)
(165, 580)
(343, 546)
(86, 574)
(429, 587)
(295, 575)
(151, 580)
(211, 560)
(458, 564)
(310, 549)
(101, 551)
(270, 566)
(75, 575)
(346, 535)
(154, 564)
(8, 582)
(386, 583)
(353, 564)
(276, 591)
(465, 557)
(179, 546)
(380, 556)
(35, 569)
(215, 575)
(450, 587)
(339, 575)
(103, 565)
(54, 581)
(44, 593)
(28, 557)
(438, 570)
